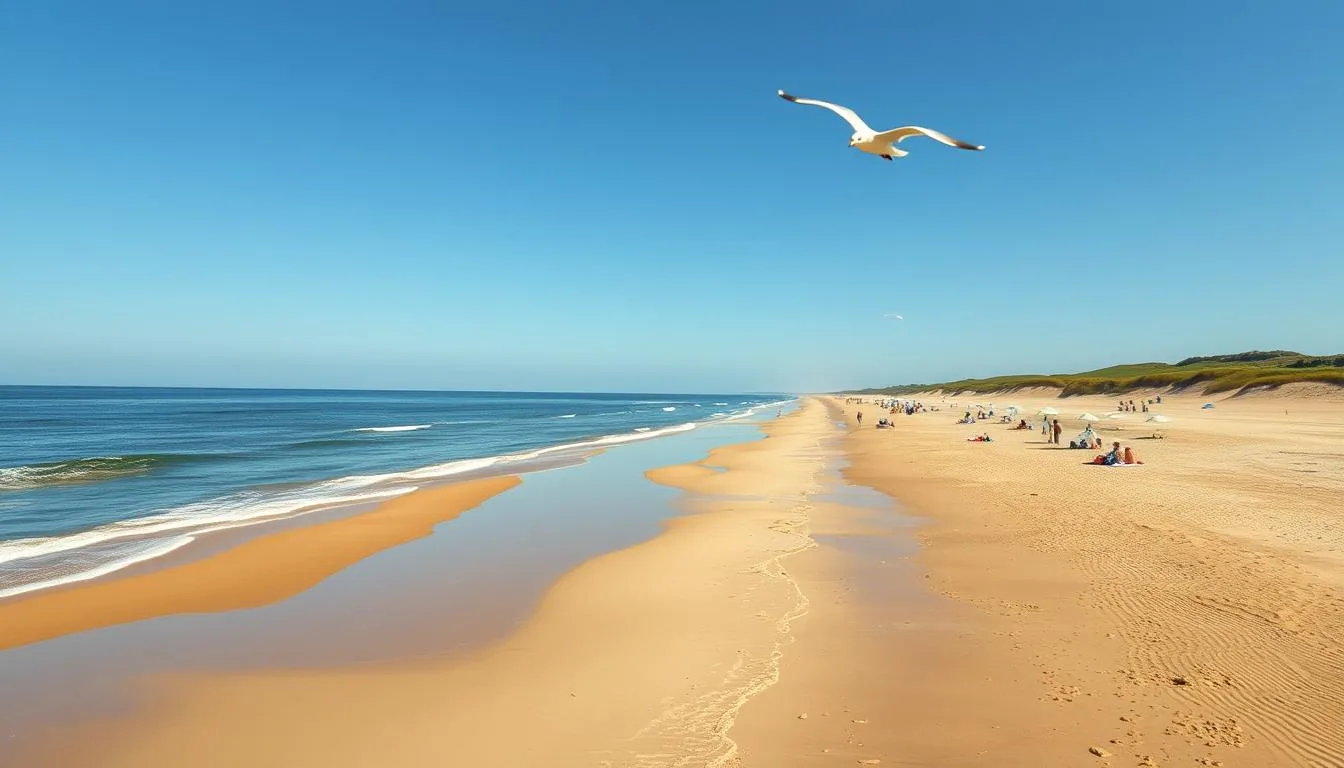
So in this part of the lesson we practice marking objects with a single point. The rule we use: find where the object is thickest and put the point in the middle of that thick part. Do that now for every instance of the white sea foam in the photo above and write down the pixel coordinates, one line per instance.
(407, 428)
(670, 408)
(156, 548)
(628, 438)
(752, 411)
(720, 404)
(567, 416)
(111, 547)
(189, 521)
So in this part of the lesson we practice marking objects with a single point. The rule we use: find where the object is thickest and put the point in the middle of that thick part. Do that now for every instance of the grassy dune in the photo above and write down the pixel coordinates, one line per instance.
(1218, 373)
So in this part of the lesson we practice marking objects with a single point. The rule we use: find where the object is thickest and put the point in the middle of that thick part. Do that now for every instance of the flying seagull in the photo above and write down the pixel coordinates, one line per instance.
(893, 316)
(883, 144)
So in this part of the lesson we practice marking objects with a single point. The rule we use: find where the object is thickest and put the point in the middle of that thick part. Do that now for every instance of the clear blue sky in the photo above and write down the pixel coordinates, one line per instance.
(609, 195)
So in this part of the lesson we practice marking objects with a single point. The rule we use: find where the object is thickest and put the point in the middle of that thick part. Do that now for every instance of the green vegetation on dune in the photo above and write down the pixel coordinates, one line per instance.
(1217, 373)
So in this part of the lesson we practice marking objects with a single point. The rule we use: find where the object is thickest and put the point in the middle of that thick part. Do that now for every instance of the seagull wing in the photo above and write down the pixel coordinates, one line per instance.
(896, 135)
(845, 112)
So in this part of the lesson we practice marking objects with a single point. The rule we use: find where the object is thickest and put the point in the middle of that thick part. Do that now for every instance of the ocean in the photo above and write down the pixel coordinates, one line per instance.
(95, 479)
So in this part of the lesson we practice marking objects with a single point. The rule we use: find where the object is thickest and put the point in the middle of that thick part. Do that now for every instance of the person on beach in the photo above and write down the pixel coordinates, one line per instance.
(1115, 456)
(859, 416)
(1057, 428)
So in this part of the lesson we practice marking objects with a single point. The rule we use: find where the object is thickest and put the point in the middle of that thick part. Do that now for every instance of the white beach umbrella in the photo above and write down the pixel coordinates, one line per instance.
(1088, 417)
(1048, 411)
(1014, 407)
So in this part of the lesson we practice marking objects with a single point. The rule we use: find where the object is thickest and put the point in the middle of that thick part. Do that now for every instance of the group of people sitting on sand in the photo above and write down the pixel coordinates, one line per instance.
(885, 423)
(981, 416)
(1088, 439)
(1117, 456)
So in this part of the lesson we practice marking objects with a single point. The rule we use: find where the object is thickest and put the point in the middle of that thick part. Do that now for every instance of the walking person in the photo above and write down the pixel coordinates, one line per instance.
(1057, 429)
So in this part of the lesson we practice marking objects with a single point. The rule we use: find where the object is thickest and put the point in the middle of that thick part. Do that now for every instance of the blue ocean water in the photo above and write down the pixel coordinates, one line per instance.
(94, 479)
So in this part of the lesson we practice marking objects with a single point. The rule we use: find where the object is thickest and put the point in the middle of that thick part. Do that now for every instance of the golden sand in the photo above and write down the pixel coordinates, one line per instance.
(1186, 612)
(259, 572)
(1182, 613)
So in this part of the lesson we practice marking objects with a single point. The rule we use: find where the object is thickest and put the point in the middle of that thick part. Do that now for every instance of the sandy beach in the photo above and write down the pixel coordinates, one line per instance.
(1185, 612)
(843, 595)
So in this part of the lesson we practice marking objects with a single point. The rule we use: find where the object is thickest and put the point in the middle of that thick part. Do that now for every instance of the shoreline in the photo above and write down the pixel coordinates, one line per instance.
(610, 662)
(256, 572)
(169, 534)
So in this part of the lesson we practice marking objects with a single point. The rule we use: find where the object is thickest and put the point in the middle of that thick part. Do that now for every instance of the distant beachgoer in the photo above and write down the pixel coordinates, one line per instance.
(1130, 458)
(1057, 428)
(860, 418)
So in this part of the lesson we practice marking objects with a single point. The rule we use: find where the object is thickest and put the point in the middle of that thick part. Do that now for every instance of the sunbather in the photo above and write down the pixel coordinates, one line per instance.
(1085, 440)
(1115, 456)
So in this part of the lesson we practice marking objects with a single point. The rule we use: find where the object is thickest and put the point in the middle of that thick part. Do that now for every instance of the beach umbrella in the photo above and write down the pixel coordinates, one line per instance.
(1014, 407)
(1088, 417)
(1206, 406)
(1048, 411)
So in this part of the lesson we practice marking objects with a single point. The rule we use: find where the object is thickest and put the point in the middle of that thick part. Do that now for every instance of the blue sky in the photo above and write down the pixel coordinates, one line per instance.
(609, 196)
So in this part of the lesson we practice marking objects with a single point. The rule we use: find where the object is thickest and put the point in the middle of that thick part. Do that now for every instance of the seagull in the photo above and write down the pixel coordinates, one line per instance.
(883, 144)
(893, 316)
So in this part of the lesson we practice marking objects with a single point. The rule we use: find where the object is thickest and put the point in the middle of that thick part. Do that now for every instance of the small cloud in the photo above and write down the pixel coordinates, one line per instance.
(893, 316)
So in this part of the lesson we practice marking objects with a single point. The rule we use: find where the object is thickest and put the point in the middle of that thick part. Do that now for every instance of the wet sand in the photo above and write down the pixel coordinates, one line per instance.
(258, 572)
(470, 584)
